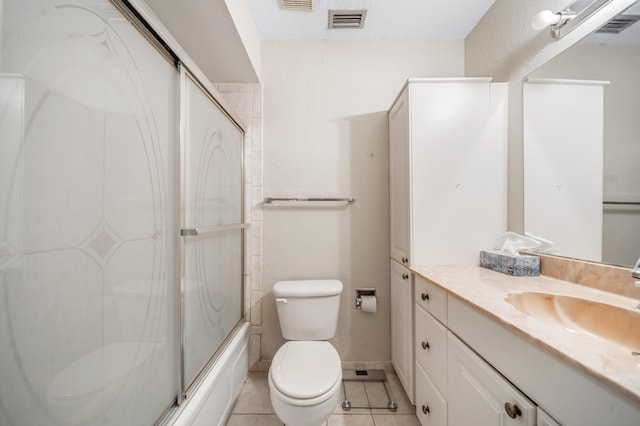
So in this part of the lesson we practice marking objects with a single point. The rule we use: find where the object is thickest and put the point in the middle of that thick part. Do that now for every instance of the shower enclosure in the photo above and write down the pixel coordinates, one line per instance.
(121, 218)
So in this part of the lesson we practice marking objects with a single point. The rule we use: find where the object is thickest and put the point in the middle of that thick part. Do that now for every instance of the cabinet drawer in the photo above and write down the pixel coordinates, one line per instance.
(431, 407)
(432, 298)
(431, 348)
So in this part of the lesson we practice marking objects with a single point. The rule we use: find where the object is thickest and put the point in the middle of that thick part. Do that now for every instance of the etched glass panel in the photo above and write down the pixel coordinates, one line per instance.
(213, 261)
(213, 163)
(87, 223)
(213, 279)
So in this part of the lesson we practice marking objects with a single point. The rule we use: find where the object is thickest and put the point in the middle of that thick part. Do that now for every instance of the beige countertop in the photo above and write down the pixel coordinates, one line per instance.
(487, 291)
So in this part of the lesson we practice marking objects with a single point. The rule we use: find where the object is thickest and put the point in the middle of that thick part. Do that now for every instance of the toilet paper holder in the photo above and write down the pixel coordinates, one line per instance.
(363, 292)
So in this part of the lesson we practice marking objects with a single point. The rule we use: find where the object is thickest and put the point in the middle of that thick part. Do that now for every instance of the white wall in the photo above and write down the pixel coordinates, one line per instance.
(326, 134)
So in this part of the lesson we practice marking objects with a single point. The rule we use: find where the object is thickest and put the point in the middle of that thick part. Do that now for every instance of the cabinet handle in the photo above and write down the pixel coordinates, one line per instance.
(424, 296)
(512, 410)
(425, 409)
(405, 260)
(405, 276)
(425, 345)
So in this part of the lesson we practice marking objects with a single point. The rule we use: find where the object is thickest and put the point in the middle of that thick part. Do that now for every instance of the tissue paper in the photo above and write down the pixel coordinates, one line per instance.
(369, 304)
(513, 243)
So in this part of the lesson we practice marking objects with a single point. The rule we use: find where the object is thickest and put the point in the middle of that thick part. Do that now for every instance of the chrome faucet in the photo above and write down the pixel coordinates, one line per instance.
(635, 273)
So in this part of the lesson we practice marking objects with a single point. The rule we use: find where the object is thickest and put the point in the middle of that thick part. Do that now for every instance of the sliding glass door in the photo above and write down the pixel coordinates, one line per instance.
(213, 226)
(90, 218)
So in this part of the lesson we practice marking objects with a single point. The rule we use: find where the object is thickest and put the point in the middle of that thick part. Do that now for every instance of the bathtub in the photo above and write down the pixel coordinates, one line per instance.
(213, 398)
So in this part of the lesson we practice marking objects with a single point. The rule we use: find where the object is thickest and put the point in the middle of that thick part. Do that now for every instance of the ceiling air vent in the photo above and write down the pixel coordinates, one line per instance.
(347, 18)
(618, 24)
(298, 4)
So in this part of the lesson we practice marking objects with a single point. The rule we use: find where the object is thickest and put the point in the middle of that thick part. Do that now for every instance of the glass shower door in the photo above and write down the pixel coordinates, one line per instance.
(213, 226)
(88, 116)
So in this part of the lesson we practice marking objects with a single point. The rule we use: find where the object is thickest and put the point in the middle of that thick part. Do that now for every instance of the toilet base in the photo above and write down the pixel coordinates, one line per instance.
(312, 415)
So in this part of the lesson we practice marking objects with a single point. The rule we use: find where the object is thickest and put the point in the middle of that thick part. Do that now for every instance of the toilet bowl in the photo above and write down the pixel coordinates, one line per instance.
(306, 373)
(304, 382)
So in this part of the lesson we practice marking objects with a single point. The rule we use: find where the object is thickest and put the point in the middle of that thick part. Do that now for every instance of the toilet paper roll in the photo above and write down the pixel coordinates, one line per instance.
(369, 303)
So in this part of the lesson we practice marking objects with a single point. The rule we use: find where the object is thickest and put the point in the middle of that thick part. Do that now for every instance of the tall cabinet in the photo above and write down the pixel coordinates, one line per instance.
(447, 153)
(563, 197)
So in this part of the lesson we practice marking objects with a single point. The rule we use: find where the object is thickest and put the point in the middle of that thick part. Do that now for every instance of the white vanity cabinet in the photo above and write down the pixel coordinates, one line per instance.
(572, 397)
(447, 153)
(454, 386)
(401, 296)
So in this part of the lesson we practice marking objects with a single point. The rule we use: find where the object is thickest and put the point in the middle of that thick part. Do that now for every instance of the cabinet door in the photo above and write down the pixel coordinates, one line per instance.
(431, 407)
(561, 119)
(458, 169)
(402, 325)
(399, 180)
(545, 420)
(479, 395)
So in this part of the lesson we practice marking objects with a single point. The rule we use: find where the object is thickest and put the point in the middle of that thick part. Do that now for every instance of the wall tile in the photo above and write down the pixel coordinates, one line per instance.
(256, 203)
(256, 307)
(256, 134)
(256, 273)
(245, 101)
(256, 238)
(256, 166)
(256, 101)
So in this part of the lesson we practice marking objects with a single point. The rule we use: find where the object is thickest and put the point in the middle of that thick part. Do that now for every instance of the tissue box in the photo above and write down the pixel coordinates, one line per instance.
(518, 266)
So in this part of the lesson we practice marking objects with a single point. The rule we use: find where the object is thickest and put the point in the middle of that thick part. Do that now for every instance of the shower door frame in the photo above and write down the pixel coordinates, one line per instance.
(143, 19)
(185, 73)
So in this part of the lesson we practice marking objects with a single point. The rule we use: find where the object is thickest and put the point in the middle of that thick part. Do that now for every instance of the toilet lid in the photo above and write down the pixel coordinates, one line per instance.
(305, 369)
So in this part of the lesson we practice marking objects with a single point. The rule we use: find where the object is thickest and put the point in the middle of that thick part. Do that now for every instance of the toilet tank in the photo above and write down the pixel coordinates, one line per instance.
(308, 309)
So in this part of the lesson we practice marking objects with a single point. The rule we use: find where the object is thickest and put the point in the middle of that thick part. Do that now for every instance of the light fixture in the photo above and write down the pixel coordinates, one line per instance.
(565, 21)
(547, 18)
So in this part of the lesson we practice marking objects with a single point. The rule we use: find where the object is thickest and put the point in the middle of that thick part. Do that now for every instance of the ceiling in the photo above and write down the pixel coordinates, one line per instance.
(385, 19)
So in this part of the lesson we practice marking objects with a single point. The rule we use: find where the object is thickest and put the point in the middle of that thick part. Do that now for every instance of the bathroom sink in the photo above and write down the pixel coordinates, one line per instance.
(614, 323)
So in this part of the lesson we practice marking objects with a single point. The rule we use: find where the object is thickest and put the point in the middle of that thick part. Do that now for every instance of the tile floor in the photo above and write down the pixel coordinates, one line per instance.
(253, 406)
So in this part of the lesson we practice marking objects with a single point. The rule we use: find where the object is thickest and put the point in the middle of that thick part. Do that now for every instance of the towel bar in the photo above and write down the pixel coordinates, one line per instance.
(274, 200)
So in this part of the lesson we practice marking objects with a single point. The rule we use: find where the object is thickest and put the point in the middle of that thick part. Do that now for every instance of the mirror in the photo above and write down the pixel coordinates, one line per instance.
(615, 58)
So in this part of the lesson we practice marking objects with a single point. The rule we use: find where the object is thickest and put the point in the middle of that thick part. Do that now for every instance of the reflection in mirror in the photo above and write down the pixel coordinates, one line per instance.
(611, 54)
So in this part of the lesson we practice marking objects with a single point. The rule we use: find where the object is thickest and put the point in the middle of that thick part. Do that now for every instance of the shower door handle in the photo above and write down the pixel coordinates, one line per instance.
(194, 232)
(189, 232)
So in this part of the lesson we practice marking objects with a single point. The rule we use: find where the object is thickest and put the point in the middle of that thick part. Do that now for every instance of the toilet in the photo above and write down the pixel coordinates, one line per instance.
(306, 373)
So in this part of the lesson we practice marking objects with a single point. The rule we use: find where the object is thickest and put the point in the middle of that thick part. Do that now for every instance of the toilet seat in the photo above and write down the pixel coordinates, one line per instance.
(305, 372)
